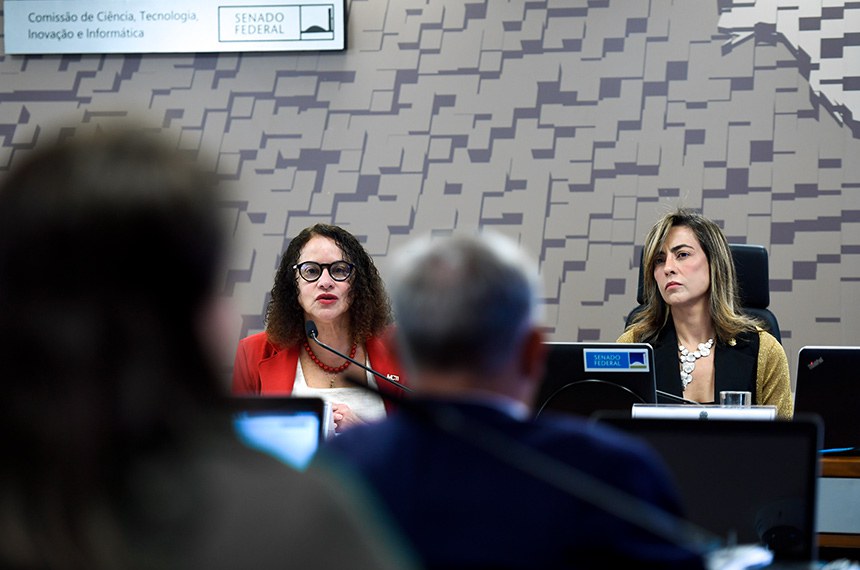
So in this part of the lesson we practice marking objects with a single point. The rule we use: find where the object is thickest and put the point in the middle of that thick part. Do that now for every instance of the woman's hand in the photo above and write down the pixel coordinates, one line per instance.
(344, 417)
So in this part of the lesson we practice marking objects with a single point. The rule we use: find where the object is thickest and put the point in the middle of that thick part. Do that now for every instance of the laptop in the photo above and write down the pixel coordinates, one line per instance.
(583, 377)
(289, 429)
(828, 384)
(747, 481)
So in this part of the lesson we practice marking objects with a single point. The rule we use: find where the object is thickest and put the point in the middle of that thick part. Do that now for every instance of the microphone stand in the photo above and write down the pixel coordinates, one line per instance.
(311, 330)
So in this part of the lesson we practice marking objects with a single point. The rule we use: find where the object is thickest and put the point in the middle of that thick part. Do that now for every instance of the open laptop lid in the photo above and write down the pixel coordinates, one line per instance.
(828, 384)
(620, 373)
(290, 429)
(749, 481)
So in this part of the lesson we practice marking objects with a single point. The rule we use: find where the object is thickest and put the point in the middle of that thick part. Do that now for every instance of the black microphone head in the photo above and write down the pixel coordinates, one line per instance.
(311, 329)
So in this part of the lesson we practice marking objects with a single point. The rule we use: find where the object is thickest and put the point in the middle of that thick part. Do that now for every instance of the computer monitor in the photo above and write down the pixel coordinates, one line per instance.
(290, 429)
(748, 481)
(828, 384)
(584, 377)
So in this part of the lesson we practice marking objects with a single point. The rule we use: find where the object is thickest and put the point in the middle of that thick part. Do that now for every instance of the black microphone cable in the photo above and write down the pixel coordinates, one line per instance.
(313, 333)
(679, 398)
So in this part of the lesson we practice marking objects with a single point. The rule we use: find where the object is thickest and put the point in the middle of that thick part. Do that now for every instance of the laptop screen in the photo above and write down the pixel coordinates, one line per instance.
(827, 382)
(290, 429)
(586, 376)
(748, 481)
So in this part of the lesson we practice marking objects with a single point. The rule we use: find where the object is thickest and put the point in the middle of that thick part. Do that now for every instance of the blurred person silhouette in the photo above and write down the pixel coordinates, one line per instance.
(469, 476)
(325, 276)
(703, 342)
(117, 451)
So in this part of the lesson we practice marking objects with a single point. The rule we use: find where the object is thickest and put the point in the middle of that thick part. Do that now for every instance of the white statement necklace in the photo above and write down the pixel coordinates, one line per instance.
(688, 359)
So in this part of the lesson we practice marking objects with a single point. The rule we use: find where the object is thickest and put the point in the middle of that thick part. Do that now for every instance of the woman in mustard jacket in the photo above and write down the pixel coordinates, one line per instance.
(703, 343)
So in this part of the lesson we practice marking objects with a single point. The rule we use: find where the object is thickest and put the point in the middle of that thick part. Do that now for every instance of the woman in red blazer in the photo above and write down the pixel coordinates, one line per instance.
(325, 276)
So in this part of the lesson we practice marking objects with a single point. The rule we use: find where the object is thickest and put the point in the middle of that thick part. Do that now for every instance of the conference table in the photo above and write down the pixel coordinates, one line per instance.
(839, 502)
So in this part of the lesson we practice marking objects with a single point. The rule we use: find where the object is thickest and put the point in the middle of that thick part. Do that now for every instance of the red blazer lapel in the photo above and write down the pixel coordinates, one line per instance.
(278, 372)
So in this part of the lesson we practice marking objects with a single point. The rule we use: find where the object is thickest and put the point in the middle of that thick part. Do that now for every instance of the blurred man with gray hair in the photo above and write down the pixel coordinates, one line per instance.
(468, 474)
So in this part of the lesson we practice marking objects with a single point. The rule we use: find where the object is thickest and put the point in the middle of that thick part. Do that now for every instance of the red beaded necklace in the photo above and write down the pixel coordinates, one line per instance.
(326, 367)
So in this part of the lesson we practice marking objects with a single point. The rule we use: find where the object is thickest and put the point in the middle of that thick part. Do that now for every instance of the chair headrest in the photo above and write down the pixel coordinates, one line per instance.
(751, 266)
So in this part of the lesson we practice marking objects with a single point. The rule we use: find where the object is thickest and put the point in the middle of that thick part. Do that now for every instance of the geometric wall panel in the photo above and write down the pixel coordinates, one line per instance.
(570, 126)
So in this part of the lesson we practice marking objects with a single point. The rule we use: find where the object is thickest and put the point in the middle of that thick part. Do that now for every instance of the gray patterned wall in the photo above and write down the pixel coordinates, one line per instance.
(570, 126)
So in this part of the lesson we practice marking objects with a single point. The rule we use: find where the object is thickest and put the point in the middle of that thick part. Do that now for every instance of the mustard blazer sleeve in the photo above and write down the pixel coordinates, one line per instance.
(627, 336)
(773, 383)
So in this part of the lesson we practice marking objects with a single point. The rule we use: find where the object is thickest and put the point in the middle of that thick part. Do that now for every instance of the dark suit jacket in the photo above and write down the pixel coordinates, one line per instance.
(462, 506)
(735, 367)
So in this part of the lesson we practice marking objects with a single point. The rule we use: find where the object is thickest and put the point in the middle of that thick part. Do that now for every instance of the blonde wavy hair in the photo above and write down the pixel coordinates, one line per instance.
(727, 317)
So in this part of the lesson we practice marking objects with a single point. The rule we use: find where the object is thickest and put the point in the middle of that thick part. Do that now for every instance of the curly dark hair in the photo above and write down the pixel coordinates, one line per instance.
(370, 309)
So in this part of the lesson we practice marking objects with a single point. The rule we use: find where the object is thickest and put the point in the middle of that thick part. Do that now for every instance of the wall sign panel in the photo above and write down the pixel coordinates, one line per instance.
(173, 26)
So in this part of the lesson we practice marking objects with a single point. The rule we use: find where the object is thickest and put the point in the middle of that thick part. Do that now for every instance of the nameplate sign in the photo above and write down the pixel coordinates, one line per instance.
(616, 360)
(172, 26)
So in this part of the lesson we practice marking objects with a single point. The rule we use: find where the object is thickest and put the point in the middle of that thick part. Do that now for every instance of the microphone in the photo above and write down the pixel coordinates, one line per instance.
(312, 332)
(678, 398)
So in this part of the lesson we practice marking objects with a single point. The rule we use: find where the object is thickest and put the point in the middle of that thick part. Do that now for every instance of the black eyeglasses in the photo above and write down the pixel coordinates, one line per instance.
(311, 271)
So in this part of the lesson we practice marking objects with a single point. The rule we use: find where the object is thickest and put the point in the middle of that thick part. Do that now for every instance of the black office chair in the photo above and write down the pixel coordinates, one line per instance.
(751, 266)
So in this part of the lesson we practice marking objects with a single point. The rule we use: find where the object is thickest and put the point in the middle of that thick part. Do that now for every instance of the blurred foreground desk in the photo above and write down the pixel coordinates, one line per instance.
(839, 502)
